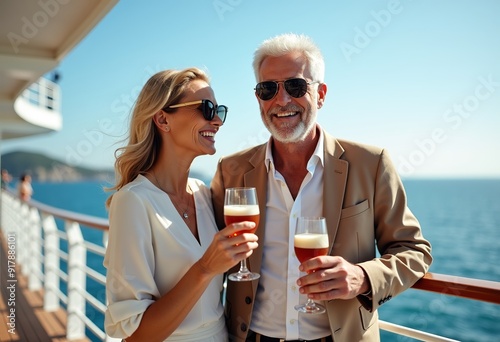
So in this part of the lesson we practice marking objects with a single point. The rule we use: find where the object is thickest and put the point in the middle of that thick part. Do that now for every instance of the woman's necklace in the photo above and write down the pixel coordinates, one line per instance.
(184, 213)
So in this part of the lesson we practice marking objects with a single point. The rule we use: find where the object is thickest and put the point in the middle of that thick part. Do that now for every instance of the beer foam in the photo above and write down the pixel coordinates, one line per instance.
(241, 210)
(311, 240)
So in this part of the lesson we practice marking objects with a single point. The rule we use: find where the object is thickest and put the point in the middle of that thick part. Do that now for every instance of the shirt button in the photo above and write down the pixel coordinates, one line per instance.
(294, 288)
(292, 321)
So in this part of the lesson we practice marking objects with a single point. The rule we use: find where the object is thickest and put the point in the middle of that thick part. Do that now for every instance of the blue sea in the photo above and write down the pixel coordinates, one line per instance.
(461, 218)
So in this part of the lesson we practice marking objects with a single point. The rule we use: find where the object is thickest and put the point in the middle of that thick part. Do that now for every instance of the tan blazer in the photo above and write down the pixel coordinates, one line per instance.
(364, 203)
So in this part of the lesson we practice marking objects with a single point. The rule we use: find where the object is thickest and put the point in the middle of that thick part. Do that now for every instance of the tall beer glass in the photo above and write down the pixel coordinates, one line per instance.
(240, 204)
(310, 240)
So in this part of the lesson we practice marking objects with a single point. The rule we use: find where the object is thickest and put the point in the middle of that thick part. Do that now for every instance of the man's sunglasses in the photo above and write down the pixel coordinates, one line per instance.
(208, 109)
(295, 87)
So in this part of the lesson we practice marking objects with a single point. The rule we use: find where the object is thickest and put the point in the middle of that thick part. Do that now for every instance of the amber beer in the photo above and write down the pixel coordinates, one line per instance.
(310, 245)
(240, 213)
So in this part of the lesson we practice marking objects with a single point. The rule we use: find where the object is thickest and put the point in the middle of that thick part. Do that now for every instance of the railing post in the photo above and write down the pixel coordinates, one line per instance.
(5, 206)
(17, 220)
(8, 213)
(34, 265)
(51, 263)
(23, 239)
(3, 209)
(77, 255)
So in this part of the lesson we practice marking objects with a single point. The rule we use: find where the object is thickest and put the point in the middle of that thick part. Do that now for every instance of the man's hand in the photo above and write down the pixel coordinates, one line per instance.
(332, 277)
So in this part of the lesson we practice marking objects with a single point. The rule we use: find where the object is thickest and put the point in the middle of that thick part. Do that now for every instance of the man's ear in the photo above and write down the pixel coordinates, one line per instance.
(322, 89)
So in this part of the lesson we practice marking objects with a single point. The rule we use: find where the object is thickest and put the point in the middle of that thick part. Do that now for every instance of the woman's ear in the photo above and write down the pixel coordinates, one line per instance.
(161, 122)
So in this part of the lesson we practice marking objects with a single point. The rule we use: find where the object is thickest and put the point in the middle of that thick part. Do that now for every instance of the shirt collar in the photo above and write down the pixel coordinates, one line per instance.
(316, 156)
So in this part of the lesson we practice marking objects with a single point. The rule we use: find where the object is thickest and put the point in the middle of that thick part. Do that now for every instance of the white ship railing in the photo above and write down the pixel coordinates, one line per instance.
(38, 236)
(33, 224)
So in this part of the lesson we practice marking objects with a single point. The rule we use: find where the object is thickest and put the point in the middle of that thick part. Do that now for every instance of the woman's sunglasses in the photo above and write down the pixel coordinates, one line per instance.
(208, 109)
(295, 87)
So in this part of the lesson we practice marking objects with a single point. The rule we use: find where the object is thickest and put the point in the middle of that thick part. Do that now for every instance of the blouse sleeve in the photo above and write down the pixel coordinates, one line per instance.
(130, 285)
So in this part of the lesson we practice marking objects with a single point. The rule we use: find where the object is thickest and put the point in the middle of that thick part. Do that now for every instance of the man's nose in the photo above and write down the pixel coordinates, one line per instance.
(282, 97)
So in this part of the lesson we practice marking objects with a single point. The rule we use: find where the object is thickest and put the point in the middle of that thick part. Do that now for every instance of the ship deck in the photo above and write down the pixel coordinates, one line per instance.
(30, 322)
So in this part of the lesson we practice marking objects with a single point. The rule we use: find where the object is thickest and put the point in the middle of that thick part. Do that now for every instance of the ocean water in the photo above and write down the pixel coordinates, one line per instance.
(461, 218)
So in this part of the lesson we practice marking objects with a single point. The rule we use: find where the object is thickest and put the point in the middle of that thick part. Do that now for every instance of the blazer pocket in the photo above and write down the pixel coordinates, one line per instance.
(355, 209)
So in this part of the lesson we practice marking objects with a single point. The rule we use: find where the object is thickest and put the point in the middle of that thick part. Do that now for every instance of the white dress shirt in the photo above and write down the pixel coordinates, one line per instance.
(274, 314)
(150, 248)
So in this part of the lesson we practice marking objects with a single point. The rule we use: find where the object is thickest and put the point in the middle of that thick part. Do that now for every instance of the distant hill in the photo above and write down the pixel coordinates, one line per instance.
(46, 169)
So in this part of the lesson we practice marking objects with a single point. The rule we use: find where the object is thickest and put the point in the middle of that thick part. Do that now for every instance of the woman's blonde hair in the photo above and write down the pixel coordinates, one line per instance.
(163, 89)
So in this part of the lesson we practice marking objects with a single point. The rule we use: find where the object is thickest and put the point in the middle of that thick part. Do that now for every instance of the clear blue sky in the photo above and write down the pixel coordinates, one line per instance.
(420, 78)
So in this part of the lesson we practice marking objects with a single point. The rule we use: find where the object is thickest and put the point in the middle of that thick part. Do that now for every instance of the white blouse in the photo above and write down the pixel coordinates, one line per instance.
(149, 249)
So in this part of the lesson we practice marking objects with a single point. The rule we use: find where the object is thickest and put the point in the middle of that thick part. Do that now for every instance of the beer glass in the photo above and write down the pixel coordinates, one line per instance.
(310, 240)
(240, 204)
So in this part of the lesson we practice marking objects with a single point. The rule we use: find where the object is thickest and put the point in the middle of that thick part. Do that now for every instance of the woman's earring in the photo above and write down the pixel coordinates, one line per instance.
(167, 129)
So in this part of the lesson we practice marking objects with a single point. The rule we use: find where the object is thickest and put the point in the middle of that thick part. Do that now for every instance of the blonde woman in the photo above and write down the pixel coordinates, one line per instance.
(165, 257)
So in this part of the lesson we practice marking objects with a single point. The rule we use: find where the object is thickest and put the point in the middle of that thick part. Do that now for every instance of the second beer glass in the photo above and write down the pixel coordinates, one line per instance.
(310, 240)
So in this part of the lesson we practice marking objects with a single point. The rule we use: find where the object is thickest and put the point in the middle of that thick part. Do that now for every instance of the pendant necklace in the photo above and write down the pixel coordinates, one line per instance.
(184, 213)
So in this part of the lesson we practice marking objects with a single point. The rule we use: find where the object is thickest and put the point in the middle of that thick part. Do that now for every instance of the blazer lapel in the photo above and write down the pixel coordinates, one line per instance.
(334, 184)
(257, 177)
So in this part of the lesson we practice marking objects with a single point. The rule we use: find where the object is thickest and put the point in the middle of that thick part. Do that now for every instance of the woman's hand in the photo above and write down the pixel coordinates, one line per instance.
(229, 246)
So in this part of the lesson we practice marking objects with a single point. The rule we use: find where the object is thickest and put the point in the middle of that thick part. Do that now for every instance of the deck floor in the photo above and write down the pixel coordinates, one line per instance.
(32, 323)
